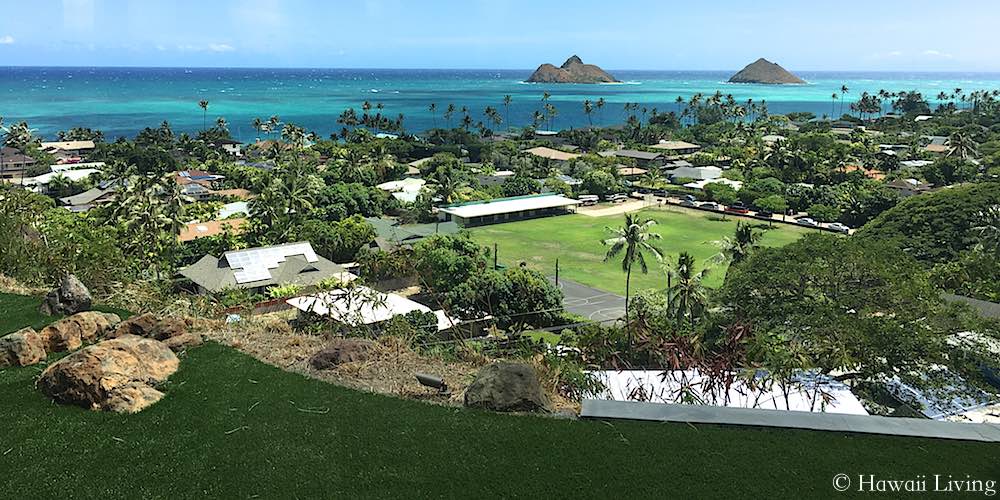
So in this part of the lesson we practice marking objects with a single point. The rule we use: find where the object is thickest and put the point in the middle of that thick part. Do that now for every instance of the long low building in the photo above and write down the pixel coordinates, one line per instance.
(478, 213)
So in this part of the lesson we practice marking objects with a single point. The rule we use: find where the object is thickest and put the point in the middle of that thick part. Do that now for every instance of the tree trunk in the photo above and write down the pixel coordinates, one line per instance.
(628, 279)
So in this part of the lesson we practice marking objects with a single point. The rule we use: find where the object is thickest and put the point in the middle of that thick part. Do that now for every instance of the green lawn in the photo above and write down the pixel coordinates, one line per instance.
(232, 427)
(576, 241)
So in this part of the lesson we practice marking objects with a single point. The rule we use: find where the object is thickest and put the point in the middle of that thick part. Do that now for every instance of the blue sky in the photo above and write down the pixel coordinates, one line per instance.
(725, 34)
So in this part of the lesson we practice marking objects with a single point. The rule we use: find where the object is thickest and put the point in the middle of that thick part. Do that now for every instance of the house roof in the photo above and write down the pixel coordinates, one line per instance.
(697, 173)
(68, 145)
(668, 387)
(205, 229)
(388, 230)
(630, 171)
(73, 175)
(737, 185)
(363, 305)
(631, 153)
(508, 205)
(89, 196)
(552, 154)
(11, 156)
(675, 145)
(292, 263)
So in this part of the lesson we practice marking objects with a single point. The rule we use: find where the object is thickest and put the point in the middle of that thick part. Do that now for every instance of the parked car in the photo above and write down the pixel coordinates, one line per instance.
(688, 203)
(689, 197)
(838, 227)
(806, 221)
(765, 214)
(710, 205)
(588, 199)
(662, 193)
(617, 198)
(737, 209)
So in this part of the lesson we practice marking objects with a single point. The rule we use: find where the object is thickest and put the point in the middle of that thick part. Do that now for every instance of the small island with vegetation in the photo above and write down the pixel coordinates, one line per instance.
(764, 71)
(571, 71)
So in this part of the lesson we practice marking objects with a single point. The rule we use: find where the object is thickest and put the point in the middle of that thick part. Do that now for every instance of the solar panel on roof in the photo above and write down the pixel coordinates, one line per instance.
(255, 264)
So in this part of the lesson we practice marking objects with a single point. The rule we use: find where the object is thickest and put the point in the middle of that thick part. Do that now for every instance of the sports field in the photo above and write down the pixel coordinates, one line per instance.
(576, 241)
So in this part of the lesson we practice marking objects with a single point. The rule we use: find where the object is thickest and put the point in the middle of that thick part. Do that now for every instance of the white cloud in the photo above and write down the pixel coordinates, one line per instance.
(895, 53)
(937, 53)
(212, 47)
(6, 40)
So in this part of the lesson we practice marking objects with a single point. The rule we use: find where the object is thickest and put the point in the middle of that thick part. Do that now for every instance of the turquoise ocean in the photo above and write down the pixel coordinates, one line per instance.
(122, 101)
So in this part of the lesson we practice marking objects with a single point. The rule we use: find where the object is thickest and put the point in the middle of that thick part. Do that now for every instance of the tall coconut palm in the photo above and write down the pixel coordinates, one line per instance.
(588, 109)
(962, 145)
(448, 113)
(203, 104)
(843, 92)
(633, 240)
(272, 124)
(687, 297)
(507, 100)
(737, 248)
(433, 109)
(833, 103)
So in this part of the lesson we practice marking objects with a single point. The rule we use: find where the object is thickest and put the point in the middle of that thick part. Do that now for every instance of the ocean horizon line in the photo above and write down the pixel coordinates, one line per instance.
(631, 70)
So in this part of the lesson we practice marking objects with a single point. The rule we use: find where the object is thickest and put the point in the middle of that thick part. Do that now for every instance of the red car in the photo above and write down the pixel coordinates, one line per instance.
(737, 209)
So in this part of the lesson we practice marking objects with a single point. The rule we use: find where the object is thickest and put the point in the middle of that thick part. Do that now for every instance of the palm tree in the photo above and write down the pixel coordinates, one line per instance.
(433, 109)
(738, 248)
(588, 109)
(687, 297)
(962, 145)
(272, 124)
(843, 91)
(258, 125)
(989, 229)
(203, 104)
(600, 108)
(222, 124)
(448, 113)
(833, 103)
(507, 99)
(633, 239)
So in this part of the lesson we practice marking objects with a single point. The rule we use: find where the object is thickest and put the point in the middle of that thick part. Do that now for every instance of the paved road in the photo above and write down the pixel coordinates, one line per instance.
(590, 302)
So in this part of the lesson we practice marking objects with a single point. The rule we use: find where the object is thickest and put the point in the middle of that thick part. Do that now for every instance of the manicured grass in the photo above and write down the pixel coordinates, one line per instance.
(19, 311)
(576, 241)
(232, 427)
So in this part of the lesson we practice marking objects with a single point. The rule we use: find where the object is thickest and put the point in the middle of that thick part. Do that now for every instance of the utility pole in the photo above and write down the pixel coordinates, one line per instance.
(557, 271)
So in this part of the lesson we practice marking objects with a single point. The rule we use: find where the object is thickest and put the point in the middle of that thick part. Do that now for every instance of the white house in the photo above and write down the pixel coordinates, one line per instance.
(696, 173)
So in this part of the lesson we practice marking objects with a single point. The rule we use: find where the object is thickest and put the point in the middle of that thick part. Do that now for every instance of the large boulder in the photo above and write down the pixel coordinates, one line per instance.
(171, 331)
(70, 297)
(506, 387)
(21, 348)
(69, 334)
(341, 351)
(118, 375)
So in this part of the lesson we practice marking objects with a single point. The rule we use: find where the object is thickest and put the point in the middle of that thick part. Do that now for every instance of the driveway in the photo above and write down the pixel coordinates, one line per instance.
(591, 303)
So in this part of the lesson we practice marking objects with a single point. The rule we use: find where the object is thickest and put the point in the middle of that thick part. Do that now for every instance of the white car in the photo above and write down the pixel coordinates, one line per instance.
(838, 227)
(806, 221)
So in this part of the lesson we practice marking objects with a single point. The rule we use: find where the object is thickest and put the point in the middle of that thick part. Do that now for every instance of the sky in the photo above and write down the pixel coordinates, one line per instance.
(891, 35)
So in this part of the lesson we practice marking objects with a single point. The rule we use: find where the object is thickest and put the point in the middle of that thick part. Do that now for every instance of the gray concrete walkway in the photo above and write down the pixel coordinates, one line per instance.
(911, 427)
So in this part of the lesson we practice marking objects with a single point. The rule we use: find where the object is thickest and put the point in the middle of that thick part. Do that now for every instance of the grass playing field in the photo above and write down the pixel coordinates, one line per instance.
(232, 427)
(576, 241)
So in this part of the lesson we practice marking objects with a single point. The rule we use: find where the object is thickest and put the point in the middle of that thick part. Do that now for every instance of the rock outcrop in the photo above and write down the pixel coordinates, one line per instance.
(70, 297)
(506, 387)
(764, 71)
(572, 71)
(21, 348)
(341, 351)
(173, 332)
(118, 375)
(69, 334)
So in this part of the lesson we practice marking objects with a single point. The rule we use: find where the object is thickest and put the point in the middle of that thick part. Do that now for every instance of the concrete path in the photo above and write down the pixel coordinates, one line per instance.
(911, 427)
(591, 303)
